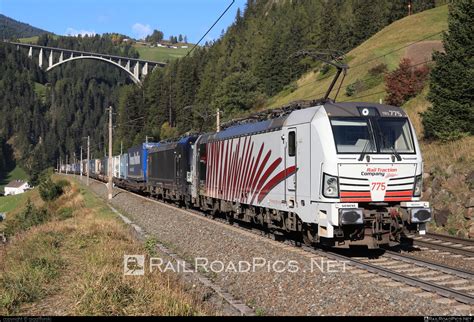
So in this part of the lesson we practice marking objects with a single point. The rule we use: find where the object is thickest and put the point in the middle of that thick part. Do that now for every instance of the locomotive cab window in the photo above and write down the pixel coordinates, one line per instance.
(292, 144)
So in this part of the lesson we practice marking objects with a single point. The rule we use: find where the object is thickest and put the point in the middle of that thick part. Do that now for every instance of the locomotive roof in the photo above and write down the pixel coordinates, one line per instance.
(288, 117)
(353, 109)
(166, 145)
(246, 129)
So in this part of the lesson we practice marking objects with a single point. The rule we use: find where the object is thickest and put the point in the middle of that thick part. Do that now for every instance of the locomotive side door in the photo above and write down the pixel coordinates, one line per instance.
(290, 162)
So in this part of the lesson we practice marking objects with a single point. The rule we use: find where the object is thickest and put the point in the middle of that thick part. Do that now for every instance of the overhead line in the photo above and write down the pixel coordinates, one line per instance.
(215, 22)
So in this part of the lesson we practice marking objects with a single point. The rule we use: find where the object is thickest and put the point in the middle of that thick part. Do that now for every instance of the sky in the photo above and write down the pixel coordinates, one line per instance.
(135, 18)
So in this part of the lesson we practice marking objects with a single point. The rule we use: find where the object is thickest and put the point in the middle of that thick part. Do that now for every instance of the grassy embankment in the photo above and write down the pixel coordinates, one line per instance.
(401, 33)
(72, 264)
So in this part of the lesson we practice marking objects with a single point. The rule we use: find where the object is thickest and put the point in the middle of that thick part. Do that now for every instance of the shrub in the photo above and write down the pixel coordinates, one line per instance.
(378, 70)
(29, 217)
(325, 69)
(405, 82)
(50, 190)
(356, 87)
(350, 90)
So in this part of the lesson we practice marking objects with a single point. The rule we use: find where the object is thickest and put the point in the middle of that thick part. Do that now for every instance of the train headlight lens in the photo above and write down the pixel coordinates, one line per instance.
(351, 216)
(330, 186)
(418, 186)
(420, 215)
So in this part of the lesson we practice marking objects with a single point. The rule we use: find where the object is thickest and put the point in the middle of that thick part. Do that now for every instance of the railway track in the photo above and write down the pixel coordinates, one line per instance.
(445, 243)
(428, 276)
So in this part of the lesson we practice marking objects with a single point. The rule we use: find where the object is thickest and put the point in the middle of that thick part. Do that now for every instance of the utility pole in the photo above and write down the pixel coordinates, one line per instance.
(88, 161)
(409, 7)
(110, 154)
(66, 163)
(218, 120)
(121, 147)
(80, 165)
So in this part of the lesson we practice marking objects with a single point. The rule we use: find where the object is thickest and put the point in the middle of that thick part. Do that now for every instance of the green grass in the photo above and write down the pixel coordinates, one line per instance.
(160, 53)
(10, 203)
(16, 174)
(29, 40)
(398, 34)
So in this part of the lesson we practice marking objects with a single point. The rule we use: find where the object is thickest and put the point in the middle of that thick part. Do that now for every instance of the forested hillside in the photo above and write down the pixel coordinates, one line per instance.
(253, 60)
(10, 28)
(46, 116)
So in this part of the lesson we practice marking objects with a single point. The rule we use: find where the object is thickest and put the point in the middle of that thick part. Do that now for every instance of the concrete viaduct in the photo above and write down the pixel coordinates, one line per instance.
(137, 69)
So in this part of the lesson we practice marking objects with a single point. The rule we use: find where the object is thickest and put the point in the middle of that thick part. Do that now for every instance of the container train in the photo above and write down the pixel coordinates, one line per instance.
(337, 174)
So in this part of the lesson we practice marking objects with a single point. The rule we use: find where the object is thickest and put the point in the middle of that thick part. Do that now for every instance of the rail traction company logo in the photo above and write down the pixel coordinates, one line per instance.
(133, 264)
(380, 172)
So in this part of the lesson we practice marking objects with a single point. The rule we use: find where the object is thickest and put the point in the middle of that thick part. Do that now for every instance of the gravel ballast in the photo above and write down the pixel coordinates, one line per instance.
(300, 288)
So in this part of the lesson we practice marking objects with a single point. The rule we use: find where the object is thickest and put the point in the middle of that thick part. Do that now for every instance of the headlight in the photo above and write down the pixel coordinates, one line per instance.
(351, 216)
(418, 186)
(419, 215)
(330, 186)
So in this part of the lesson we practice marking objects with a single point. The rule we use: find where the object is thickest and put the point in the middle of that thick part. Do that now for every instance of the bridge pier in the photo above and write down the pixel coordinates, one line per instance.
(50, 58)
(40, 58)
(145, 69)
(136, 70)
(30, 52)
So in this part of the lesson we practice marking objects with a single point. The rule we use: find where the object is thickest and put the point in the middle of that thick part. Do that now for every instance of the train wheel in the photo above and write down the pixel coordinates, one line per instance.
(308, 235)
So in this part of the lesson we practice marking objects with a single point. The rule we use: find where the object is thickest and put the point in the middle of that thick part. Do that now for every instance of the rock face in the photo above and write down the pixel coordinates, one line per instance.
(450, 193)
(441, 216)
(470, 180)
(470, 203)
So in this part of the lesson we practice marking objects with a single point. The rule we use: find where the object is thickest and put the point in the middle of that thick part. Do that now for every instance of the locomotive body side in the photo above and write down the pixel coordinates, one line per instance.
(168, 170)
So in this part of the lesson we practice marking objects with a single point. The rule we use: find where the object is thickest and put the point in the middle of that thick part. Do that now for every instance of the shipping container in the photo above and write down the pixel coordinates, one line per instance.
(116, 166)
(137, 161)
(123, 166)
(104, 166)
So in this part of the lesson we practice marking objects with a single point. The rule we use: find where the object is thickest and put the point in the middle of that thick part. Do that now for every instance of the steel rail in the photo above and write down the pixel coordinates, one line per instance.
(400, 277)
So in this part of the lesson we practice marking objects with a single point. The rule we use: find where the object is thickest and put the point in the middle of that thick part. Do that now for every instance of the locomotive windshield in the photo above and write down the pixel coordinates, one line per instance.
(395, 134)
(352, 135)
(372, 135)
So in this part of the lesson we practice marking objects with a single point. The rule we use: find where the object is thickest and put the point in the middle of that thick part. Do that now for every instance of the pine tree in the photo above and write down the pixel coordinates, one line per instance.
(452, 79)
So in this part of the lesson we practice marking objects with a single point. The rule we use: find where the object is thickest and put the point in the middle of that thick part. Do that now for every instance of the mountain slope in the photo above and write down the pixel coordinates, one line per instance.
(10, 28)
(385, 47)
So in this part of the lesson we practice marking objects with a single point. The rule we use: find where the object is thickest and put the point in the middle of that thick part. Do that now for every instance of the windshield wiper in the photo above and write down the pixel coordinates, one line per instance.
(384, 142)
(368, 144)
(395, 152)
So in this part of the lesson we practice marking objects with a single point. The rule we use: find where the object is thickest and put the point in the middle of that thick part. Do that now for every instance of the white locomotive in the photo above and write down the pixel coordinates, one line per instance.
(339, 174)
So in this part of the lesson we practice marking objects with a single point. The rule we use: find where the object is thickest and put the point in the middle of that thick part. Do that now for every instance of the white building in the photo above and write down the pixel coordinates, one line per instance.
(16, 187)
